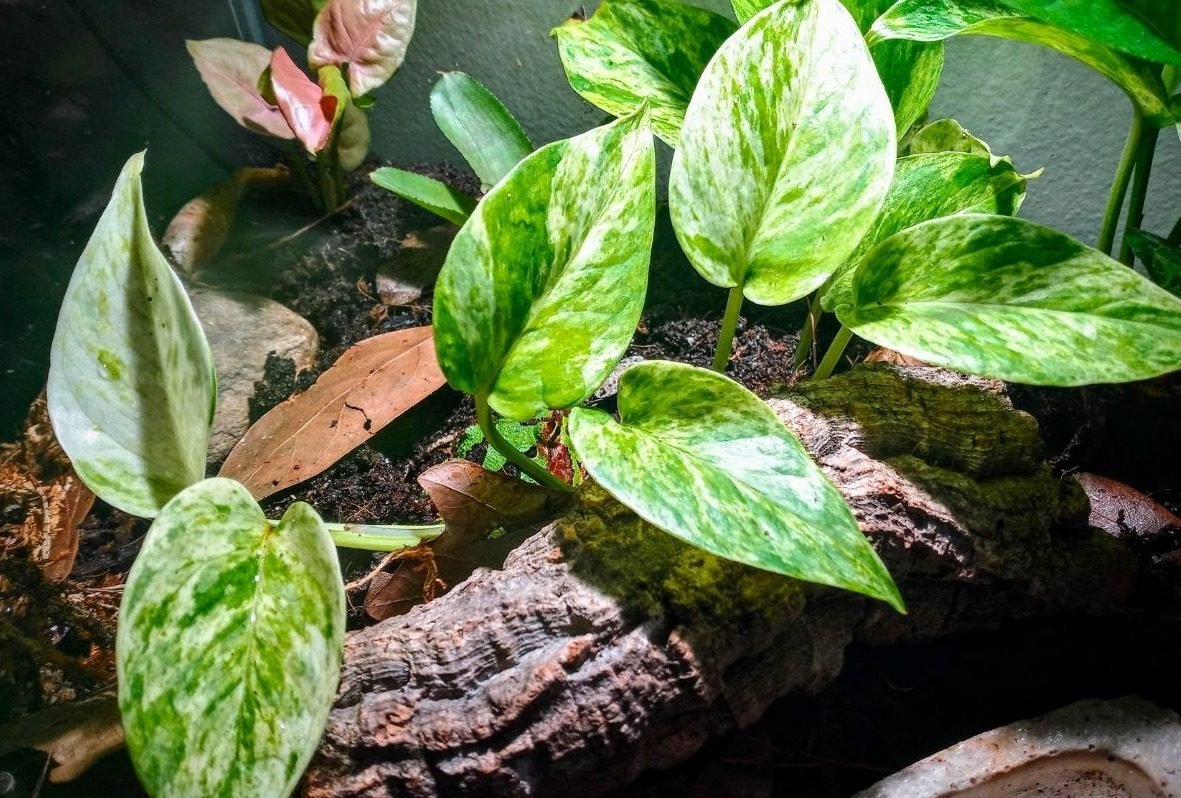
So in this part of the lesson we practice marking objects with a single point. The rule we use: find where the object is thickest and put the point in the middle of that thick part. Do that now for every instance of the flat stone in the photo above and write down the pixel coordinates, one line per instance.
(242, 330)
(1128, 748)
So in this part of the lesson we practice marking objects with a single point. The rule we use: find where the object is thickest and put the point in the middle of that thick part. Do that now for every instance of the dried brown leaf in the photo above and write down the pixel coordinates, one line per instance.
(883, 355)
(371, 384)
(1123, 511)
(473, 502)
(416, 266)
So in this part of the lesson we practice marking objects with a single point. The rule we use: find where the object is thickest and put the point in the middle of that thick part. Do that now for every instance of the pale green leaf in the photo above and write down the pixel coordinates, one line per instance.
(1006, 298)
(131, 381)
(928, 187)
(1161, 259)
(479, 126)
(704, 459)
(426, 192)
(947, 135)
(745, 9)
(786, 153)
(1147, 29)
(352, 137)
(636, 50)
(229, 645)
(936, 20)
(543, 287)
(294, 18)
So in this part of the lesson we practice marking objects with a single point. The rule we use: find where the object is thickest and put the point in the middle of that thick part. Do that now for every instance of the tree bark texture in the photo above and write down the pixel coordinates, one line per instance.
(606, 647)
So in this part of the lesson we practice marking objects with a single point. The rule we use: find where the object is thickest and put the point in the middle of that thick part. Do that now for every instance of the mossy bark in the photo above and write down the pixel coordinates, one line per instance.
(605, 647)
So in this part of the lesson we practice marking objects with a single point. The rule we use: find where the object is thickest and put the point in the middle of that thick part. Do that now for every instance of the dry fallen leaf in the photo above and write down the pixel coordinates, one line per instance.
(416, 266)
(473, 502)
(883, 355)
(371, 384)
(36, 477)
(1123, 511)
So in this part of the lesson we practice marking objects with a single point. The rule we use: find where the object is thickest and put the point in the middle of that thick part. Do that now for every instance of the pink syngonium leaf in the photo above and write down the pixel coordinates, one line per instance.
(370, 36)
(230, 70)
(307, 109)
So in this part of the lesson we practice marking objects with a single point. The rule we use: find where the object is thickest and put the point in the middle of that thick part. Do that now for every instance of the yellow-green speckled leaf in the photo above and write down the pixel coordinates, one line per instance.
(1006, 298)
(786, 153)
(636, 50)
(543, 287)
(928, 187)
(229, 645)
(936, 20)
(704, 459)
(131, 382)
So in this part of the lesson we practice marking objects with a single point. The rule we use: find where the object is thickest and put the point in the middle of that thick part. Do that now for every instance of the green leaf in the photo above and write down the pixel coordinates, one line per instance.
(704, 459)
(936, 20)
(543, 287)
(352, 137)
(929, 187)
(1142, 28)
(479, 126)
(1162, 260)
(293, 17)
(745, 9)
(425, 192)
(636, 50)
(333, 85)
(229, 645)
(131, 381)
(947, 135)
(786, 153)
(1006, 298)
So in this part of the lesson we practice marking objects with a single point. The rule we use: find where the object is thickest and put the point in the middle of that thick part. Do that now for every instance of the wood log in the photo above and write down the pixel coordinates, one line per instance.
(606, 647)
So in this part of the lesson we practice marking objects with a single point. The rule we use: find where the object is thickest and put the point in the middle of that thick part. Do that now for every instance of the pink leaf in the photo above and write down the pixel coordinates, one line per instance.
(303, 103)
(370, 36)
(230, 69)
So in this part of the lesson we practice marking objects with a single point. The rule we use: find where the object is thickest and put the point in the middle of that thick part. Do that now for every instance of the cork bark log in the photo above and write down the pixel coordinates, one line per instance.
(605, 647)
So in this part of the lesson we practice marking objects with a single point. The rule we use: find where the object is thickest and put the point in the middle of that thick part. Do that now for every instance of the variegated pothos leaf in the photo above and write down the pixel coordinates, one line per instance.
(131, 383)
(636, 50)
(704, 459)
(1006, 298)
(229, 645)
(786, 153)
(937, 20)
(543, 287)
(928, 187)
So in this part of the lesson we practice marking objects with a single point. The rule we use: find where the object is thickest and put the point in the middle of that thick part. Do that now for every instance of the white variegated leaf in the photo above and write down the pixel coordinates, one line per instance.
(786, 153)
(229, 645)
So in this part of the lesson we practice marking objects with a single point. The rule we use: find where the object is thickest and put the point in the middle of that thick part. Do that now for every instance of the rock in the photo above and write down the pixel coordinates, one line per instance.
(242, 330)
(1127, 748)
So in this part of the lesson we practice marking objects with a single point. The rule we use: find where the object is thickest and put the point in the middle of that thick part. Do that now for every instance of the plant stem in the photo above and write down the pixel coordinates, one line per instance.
(1175, 234)
(510, 452)
(808, 332)
(729, 325)
(301, 169)
(833, 356)
(1119, 188)
(382, 537)
(1144, 156)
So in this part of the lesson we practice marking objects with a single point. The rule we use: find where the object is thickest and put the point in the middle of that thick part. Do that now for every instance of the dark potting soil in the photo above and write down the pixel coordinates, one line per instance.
(890, 705)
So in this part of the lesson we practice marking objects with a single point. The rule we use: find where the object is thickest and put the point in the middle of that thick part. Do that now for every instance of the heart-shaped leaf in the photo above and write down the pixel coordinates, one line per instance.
(427, 193)
(479, 126)
(1147, 29)
(371, 36)
(636, 50)
(786, 153)
(936, 20)
(295, 18)
(131, 382)
(1006, 298)
(230, 70)
(1161, 259)
(706, 460)
(928, 187)
(308, 110)
(543, 287)
(229, 645)
(371, 384)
